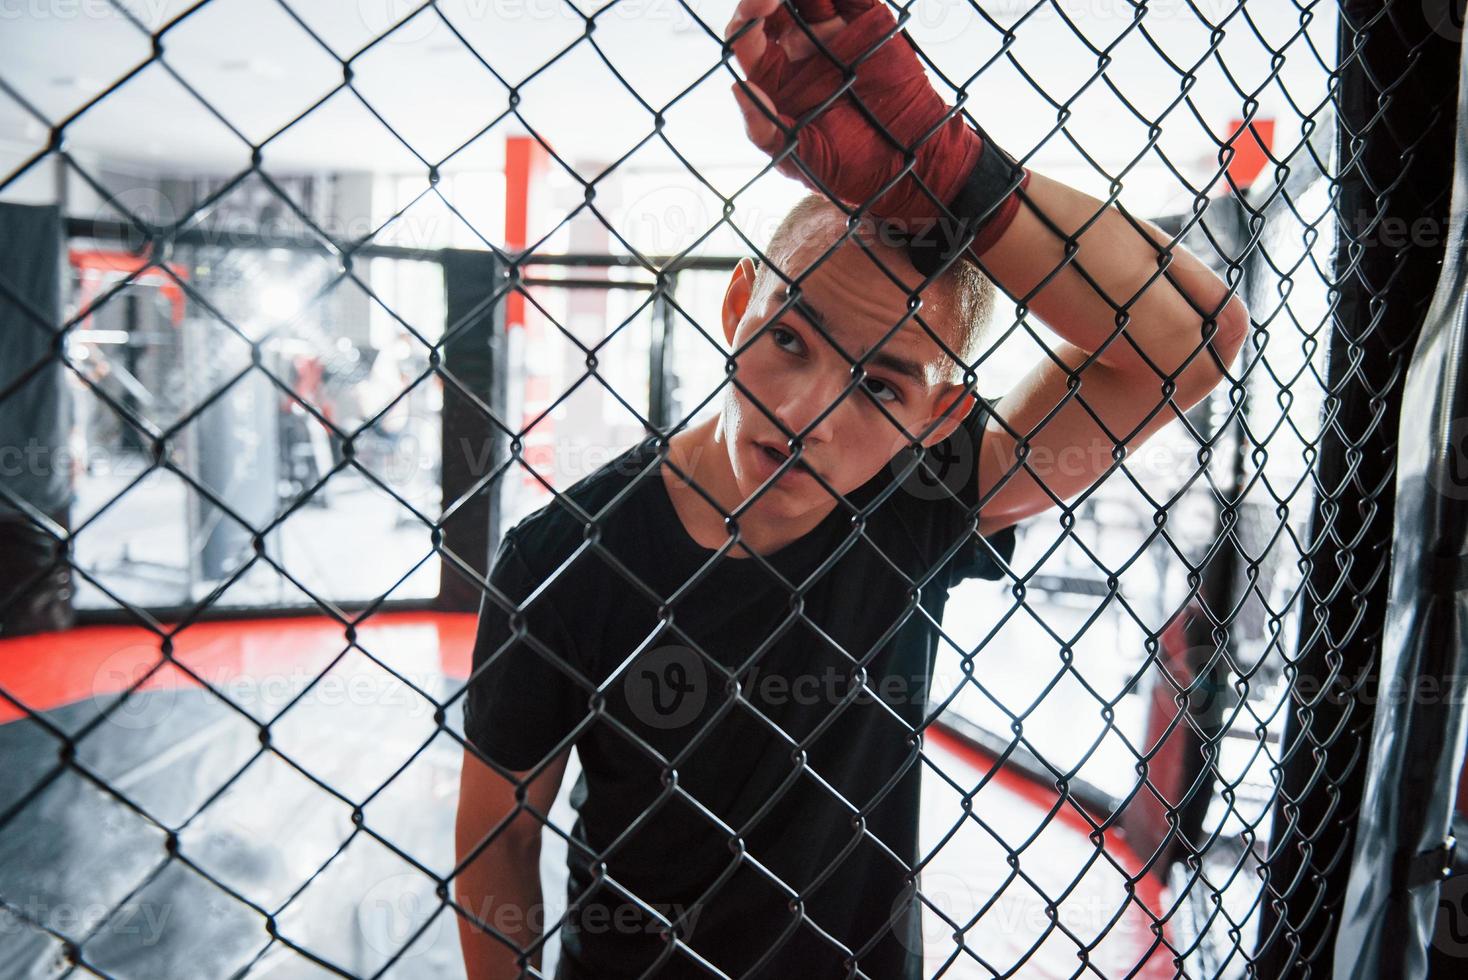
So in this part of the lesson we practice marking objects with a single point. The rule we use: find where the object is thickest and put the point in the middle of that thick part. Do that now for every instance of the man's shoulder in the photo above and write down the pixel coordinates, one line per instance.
(928, 515)
(550, 534)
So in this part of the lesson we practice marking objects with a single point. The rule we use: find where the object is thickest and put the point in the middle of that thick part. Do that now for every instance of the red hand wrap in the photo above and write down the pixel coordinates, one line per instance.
(846, 155)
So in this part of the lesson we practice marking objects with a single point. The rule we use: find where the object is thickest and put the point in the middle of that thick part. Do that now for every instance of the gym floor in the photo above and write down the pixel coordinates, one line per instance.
(277, 825)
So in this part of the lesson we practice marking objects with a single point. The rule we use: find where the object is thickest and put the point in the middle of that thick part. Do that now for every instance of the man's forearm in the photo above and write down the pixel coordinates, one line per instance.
(501, 888)
(1071, 434)
(1161, 326)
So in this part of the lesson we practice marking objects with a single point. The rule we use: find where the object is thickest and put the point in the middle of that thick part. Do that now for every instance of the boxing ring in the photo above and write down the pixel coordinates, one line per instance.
(237, 621)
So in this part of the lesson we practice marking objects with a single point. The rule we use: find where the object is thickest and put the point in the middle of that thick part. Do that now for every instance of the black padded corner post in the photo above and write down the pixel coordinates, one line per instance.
(1397, 120)
(473, 444)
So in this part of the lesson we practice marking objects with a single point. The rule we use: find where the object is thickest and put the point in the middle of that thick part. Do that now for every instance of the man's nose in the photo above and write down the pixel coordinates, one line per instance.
(817, 405)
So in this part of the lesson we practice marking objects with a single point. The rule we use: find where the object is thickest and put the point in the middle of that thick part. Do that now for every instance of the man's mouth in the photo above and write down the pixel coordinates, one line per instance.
(779, 457)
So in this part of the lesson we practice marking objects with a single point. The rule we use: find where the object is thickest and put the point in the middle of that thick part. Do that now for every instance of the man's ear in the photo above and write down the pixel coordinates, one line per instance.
(946, 396)
(737, 296)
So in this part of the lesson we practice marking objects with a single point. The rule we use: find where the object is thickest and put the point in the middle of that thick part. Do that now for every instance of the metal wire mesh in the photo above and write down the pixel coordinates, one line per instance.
(1239, 566)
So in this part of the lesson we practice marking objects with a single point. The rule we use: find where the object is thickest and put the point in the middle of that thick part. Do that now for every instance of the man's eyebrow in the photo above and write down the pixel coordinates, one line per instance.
(803, 306)
(906, 367)
(909, 369)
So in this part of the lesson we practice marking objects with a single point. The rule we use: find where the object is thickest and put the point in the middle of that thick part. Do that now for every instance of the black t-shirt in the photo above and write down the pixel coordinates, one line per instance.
(786, 836)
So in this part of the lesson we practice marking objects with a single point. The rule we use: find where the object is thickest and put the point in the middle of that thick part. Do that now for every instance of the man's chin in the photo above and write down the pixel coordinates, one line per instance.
(774, 500)
(789, 503)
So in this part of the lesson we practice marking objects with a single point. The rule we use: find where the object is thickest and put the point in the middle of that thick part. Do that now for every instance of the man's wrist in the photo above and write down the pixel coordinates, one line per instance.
(983, 207)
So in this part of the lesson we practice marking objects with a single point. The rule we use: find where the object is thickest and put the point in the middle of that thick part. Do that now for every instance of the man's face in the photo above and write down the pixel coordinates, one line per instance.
(796, 374)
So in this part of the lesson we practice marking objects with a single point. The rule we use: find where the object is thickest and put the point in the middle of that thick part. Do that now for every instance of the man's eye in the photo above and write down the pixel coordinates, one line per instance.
(777, 332)
(885, 387)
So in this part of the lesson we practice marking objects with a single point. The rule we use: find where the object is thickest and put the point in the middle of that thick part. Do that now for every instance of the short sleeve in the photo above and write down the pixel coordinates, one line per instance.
(978, 557)
(519, 704)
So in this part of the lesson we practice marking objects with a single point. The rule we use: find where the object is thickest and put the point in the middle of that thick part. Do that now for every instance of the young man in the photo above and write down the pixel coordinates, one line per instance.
(738, 638)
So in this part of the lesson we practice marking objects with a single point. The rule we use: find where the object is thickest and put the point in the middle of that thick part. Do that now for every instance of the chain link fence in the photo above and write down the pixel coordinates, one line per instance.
(1176, 666)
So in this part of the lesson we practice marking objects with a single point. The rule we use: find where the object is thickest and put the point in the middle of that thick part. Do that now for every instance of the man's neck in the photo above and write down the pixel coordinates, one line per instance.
(702, 453)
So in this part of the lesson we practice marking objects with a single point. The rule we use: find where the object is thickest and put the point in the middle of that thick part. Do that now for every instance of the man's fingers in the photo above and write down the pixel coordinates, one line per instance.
(750, 48)
(818, 11)
(752, 10)
(815, 11)
(754, 44)
(749, 10)
(759, 123)
(815, 149)
(780, 22)
(813, 146)
(852, 9)
(821, 18)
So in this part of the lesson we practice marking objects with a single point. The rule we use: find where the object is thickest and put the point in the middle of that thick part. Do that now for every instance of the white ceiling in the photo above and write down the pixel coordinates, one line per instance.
(259, 69)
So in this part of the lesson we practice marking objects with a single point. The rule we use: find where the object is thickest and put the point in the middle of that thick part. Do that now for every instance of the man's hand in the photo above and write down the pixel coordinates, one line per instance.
(846, 155)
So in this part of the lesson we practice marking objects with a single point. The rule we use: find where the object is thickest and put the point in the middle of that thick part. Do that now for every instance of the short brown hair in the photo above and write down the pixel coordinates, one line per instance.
(972, 291)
